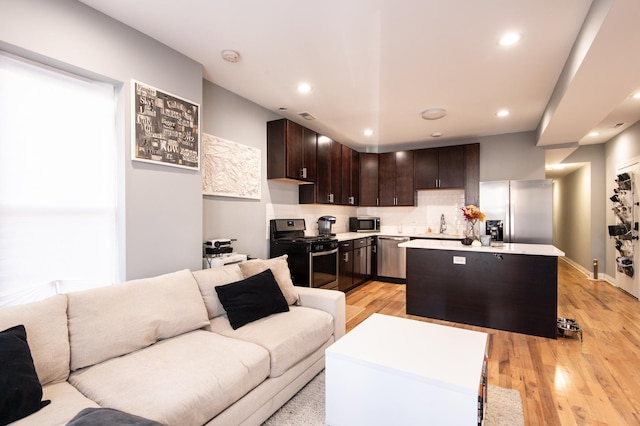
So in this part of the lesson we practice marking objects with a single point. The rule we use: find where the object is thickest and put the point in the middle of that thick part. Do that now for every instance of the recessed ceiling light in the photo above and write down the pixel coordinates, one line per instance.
(436, 134)
(636, 95)
(593, 134)
(304, 88)
(434, 113)
(502, 113)
(510, 38)
(230, 55)
(368, 132)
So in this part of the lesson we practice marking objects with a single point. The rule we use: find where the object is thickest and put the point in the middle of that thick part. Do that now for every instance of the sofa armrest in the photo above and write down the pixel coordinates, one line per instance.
(331, 301)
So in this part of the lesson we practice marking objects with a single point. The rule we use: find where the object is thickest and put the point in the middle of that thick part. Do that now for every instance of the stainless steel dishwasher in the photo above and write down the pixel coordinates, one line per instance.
(392, 260)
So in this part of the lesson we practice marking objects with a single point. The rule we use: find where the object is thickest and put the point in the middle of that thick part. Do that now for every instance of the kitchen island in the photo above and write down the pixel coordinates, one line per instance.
(513, 287)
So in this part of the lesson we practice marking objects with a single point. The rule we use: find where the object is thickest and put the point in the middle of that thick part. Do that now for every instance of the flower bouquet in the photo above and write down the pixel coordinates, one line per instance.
(472, 215)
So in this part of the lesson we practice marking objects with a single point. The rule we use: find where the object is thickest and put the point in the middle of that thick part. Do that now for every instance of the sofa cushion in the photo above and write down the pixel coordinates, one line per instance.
(47, 335)
(112, 321)
(280, 268)
(251, 299)
(289, 336)
(21, 390)
(208, 279)
(182, 381)
(66, 402)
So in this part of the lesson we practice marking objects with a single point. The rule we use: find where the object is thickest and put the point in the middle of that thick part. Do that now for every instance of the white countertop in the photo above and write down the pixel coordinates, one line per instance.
(345, 236)
(507, 248)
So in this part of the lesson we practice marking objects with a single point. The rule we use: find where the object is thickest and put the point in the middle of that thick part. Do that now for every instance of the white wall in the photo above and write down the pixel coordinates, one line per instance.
(618, 150)
(161, 207)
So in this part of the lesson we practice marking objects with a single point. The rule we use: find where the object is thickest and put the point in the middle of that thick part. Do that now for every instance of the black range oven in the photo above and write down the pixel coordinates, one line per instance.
(313, 261)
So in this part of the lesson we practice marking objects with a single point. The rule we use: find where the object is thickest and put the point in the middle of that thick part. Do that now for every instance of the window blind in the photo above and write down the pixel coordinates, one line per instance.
(57, 182)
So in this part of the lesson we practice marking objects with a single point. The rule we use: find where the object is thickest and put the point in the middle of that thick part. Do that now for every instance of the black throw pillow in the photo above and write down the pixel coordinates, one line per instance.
(21, 391)
(252, 298)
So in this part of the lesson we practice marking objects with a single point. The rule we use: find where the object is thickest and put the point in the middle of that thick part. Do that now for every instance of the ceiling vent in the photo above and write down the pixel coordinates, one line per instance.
(306, 116)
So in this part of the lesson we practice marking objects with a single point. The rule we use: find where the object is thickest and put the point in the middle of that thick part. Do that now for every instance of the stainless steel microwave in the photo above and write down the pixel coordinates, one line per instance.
(364, 224)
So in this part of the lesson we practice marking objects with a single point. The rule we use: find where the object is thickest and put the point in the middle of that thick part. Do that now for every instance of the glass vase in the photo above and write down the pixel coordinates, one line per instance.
(473, 231)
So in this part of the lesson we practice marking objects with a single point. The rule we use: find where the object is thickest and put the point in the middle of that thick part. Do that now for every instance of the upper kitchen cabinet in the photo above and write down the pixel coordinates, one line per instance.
(396, 179)
(350, 176)
(472, 174)
(440, 168)
(291, 151)
(328, 187)
(450, 167)
(368, 179)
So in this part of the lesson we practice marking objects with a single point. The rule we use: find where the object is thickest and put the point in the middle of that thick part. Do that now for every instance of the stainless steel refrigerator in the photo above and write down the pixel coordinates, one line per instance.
(525, 208)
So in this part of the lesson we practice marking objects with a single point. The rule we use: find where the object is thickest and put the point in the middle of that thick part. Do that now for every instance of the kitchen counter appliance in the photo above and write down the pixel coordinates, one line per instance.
(392, 264)
(364, 224)
(324, 226)
(313, 261)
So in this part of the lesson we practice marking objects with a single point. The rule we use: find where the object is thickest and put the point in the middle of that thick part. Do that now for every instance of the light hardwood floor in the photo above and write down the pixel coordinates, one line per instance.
(563, 381)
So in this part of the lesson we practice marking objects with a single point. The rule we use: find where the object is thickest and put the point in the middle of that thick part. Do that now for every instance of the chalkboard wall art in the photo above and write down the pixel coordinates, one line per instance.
(230, 169)
(166, 128)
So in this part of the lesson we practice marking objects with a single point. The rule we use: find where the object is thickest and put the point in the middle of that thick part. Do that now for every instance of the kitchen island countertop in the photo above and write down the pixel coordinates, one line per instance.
(506, 248)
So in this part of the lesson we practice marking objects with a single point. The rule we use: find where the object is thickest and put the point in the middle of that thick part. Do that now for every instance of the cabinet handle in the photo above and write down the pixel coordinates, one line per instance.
(346, 257)
(377, 201)
(303, 173)
(352, 200)
(330, 198)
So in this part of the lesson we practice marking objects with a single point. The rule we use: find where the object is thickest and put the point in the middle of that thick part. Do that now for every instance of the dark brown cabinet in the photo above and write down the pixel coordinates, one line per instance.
(350, 177)
(291, 151)
(328, 187)
(440, 168)
(450, 167)
(345, 266)
(472, 174)
(355, 263)
(368, 179)
(395, 179)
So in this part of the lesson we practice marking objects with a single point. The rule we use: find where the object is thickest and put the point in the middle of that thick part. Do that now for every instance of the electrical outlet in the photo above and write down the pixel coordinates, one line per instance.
(459, 260)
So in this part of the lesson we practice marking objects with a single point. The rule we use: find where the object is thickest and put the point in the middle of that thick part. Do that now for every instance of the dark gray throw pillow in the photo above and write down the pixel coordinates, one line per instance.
(20, 389)
(109, 417)
(252, 298)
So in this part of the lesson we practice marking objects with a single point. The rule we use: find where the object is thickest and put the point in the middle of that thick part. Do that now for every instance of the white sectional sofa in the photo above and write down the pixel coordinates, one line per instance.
(163, 348)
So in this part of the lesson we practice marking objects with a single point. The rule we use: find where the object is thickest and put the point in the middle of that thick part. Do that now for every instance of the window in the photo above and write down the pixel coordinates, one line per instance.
(57, 182)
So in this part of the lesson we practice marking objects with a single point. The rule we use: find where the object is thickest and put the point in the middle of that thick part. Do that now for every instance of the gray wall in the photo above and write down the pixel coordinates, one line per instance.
(161, 206)
(573, 216)
(234, 118)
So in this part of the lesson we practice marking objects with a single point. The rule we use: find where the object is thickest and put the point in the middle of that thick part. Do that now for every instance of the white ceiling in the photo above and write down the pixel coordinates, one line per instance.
(378, 64)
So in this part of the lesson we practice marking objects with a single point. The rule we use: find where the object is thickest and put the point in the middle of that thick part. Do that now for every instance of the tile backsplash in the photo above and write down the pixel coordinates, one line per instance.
(408, 220)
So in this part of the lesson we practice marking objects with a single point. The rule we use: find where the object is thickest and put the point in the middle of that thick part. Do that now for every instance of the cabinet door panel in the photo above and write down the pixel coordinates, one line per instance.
(309, 141)
(336, 172)
(323, 172)
(451, 166)
(472, 174)
(405, 189)
(426, 168)
(368, 179)
(386, 178)
(295, 149)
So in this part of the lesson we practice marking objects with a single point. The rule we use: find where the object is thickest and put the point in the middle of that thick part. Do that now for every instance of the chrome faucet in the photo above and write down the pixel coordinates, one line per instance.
(443, 224)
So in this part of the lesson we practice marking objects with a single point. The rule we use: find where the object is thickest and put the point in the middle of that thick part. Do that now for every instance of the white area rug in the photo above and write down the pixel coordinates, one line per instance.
(504, 407)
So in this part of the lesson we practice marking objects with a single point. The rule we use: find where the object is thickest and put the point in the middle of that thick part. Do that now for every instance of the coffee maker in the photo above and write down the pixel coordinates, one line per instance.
(495, 228)
(324, 225)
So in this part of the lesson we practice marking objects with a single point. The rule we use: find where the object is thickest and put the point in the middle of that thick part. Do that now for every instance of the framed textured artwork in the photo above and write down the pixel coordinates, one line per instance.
(166, 128)
(230, 169)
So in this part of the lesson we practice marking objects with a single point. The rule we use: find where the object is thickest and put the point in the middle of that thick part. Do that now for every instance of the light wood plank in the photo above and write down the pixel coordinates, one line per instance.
(562, 382)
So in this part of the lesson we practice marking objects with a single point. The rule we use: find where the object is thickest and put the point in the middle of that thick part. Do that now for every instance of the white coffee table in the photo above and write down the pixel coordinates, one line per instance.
(396, 371)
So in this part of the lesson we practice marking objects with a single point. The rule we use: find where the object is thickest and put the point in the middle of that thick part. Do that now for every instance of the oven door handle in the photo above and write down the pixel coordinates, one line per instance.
(323, 253)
